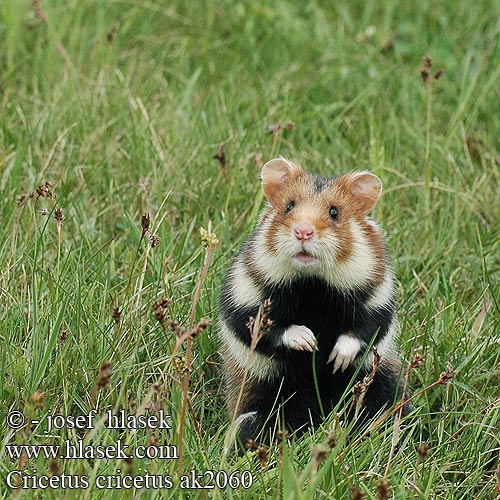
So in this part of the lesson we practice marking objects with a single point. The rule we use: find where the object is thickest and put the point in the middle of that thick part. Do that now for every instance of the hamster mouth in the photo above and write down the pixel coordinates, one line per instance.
(304, 257)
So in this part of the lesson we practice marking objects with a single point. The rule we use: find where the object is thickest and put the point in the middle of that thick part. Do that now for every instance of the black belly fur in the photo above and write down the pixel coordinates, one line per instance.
(307, 388)
(327, 311)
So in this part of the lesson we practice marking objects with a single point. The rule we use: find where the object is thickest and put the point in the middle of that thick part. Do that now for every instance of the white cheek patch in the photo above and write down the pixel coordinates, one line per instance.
(244, 291)
(383, 294)
(274, 266)
(358, 269)
(344, 352)
(261, 366)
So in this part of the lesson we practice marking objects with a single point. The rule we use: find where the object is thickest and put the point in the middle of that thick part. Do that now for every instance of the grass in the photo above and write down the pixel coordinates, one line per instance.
(122, 106)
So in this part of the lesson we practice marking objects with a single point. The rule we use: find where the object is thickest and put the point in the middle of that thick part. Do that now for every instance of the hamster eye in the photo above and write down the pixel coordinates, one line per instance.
(290, 206)
(334, 213)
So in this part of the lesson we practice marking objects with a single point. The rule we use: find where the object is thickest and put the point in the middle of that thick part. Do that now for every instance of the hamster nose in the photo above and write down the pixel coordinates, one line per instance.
(304, 231)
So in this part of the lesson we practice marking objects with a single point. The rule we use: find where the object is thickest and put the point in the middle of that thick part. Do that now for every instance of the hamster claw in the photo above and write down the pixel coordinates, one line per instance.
(300, 338)
(344, 352)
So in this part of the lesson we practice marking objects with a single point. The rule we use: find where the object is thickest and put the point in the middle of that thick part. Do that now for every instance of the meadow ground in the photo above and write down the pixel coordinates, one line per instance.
(121, 106)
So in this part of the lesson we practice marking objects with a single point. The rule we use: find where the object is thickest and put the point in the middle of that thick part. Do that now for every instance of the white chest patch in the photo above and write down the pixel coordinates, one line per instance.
(244, 292)
(383, 293)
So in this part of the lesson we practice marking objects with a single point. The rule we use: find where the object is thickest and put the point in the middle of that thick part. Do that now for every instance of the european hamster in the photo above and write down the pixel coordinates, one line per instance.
(321, 261)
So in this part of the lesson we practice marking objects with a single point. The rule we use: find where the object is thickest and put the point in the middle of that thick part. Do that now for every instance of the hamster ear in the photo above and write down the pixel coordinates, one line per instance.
(275, 173)
(367, 189)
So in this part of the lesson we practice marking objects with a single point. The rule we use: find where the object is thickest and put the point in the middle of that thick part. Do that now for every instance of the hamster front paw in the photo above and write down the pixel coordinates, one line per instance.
(344, 352)
(300, 338)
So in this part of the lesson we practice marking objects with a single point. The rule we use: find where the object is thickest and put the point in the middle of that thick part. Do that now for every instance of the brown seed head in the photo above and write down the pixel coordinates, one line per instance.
(110, 36)
(447, 375)
(176, 328)
(116, 314)
(38, 399)
(194, 332)
(424, 74)
(22, 200)
(282, 435)
(356, 493)
(221, 156)
(43, 190)
(422, 452)
(38, 10)
(438, 74)
(266, 306)
(154, 240)
(104, 376)
(418, 360)
(53, 468)
(265, 322)
(145, 222)
(249, 324)
(203, 324)
(319, 453)
(251, 445)
(63, 335)
(358, 389)
(383, 491)
(58, 215)
(262, 454)
(331, 440)
(160, 309)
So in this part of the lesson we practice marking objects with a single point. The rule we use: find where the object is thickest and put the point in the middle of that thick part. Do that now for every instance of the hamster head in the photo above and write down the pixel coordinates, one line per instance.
(319, 226)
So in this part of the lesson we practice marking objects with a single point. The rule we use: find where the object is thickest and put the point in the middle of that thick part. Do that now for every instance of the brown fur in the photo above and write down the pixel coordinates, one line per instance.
(378, 248)
(343, 192)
